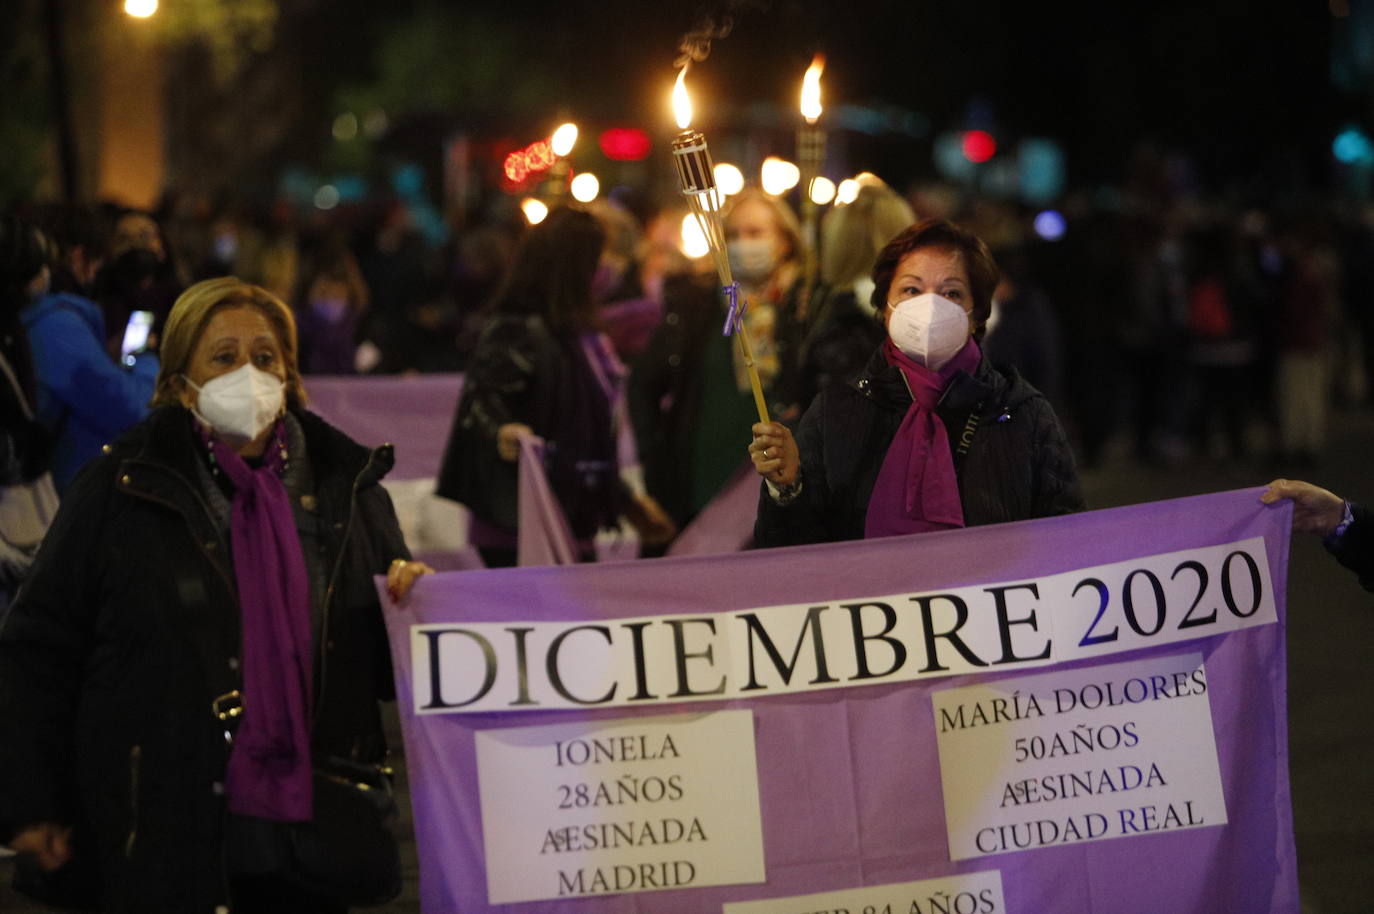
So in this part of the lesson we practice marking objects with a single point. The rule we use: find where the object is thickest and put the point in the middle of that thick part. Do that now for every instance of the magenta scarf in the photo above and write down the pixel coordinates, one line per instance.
(917, 489)
(269, 764)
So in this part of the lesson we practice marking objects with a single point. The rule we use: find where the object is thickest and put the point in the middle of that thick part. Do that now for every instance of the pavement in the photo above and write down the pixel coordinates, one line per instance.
(1330, 686)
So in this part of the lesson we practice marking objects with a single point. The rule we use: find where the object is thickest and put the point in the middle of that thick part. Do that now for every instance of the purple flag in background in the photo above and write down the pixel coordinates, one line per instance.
(1075, 714)
(414, 409)
(543, 536)
(726, 524)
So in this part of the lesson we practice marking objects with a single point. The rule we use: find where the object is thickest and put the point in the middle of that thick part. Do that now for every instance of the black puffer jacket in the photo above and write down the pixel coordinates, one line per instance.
(1018, 464)
(1355, 548)
(128, 629)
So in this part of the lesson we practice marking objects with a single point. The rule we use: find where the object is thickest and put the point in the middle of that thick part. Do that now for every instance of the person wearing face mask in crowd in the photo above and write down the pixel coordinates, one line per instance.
(139, 274)
(82, 396)
(689, 390)
(930, 435)
(329, 308)
(210, 576)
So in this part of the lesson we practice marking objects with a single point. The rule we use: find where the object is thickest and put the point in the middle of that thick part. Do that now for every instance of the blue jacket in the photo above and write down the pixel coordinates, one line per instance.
(84, 398)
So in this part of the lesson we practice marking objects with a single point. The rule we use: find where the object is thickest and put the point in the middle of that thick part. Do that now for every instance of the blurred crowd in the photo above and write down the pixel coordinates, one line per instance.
(1161, 325)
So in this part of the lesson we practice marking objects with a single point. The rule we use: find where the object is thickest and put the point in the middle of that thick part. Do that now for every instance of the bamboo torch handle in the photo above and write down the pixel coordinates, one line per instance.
(748, 352)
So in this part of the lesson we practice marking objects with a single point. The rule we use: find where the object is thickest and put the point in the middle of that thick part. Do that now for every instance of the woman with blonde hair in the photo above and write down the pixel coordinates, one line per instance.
(843, 332)
(689, 390)
(197, 656)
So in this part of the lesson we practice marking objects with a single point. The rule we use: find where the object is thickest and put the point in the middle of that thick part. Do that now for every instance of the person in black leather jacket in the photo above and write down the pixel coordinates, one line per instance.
(543, 367)
(135, 624)
(978, 445)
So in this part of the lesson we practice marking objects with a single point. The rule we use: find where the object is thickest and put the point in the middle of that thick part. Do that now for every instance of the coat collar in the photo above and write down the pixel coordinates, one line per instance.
(989, 388)
(156, 458)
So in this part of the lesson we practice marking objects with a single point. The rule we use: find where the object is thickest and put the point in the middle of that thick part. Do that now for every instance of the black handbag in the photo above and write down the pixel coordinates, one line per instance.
(348, 852)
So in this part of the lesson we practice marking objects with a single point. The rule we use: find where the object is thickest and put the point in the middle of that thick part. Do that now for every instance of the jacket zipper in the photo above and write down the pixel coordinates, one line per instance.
(135, 761)
(333, 583)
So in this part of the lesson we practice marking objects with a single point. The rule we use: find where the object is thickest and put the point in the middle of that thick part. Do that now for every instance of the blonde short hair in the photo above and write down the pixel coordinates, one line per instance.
(192, 312)
(853, 235)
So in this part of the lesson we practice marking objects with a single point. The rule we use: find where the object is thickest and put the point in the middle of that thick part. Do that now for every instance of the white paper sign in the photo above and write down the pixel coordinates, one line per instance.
(1100, 752)
(630, 805)
(966, 893)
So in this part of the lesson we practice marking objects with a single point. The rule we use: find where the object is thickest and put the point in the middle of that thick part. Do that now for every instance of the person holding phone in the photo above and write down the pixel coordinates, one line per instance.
(83, 397)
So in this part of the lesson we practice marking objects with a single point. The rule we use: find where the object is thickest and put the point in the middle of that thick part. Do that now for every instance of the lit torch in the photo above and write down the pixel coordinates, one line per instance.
(697, 175)
(810, 155)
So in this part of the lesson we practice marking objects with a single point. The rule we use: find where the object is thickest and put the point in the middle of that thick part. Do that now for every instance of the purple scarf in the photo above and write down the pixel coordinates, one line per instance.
(917, 489)
(269, 765)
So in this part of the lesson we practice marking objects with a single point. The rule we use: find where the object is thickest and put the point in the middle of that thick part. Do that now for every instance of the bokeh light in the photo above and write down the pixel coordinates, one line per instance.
(778, 176)
(564, 138)
(979, 146)
(1050, 225)
(694, 243)
(327, 197)
(140, 9)
(729, 179)
(822, 190)
(535, 211)
(585, 187)
(345, 126)
(847, 192)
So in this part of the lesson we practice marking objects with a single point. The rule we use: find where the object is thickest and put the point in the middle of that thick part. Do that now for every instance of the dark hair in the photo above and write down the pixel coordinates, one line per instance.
(945, 235)
(23, 252)
(553, 269)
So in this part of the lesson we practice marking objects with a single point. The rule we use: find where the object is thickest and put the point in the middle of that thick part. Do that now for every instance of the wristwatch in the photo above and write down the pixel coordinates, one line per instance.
(1347, 518)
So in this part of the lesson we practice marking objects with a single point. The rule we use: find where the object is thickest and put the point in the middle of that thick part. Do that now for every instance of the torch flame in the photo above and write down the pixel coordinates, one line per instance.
(682, 104)
(811, 89)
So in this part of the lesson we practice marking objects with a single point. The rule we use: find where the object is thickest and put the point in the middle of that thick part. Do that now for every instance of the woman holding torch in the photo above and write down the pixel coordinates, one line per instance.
(929, 435)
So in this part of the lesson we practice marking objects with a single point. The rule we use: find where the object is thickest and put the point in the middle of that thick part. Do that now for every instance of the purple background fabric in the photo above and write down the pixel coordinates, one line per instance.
(849, 780)
(543, 537)
(726, 524)
(412, 411)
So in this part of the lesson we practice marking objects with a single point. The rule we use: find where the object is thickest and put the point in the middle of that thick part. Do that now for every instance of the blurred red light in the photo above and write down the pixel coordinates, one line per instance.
(515, 167)
(539, 155)
(979, 146)
(626, 144)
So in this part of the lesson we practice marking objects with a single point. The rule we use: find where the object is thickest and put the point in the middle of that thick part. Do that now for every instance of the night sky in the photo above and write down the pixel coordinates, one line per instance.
(1237, 83)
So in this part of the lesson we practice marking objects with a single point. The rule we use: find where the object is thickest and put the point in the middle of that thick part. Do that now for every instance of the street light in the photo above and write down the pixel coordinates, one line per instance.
(140, 9)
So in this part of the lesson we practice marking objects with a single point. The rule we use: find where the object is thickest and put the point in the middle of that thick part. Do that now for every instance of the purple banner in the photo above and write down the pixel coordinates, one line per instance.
(850, 787)
(414, 412)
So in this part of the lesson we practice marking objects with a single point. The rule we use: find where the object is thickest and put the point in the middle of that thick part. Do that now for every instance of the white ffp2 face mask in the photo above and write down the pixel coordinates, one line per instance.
(752, 259)
(240, 404)
(929, 329)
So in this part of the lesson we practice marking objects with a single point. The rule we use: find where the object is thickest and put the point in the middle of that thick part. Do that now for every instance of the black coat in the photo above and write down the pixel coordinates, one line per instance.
(666, 382)
(1018, 463)
(128, 628)
(1355, 549)
(523, 371)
